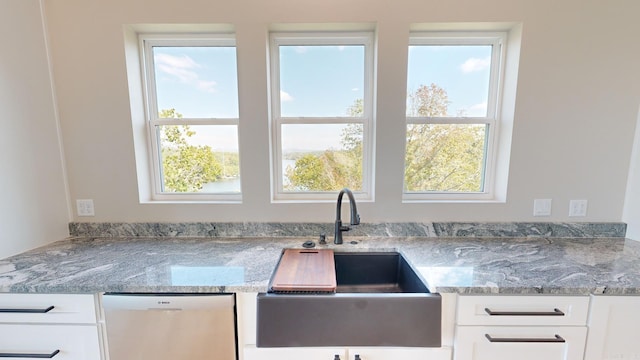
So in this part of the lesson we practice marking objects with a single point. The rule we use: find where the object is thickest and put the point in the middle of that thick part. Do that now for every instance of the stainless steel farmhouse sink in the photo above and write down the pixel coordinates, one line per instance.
(380, 300)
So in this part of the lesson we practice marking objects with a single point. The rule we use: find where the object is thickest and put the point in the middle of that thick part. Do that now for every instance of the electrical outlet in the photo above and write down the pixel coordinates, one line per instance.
(578, 208)
(85, 207)
(542, 207)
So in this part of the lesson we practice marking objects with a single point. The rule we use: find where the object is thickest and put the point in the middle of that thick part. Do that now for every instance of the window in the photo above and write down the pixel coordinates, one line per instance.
(192, 116)
(321, 114)
(452, 115)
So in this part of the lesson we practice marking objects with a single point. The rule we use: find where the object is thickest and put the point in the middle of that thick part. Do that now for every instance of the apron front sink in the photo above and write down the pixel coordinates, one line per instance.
(380, 300)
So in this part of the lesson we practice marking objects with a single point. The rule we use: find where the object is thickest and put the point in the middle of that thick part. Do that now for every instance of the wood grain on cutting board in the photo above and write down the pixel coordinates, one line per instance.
(305, 270)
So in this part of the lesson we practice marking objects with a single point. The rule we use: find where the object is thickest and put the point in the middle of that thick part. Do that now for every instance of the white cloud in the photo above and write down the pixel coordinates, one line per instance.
(183, 69)
(475, 64)
(301, 49)
(183, 61)
(355, 89)
(479, 110)
(208, 86)
(481, 106)
(284, 96)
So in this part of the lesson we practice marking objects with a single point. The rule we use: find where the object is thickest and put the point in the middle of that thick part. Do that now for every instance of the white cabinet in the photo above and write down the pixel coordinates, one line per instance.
(613, 328)
(59, 326)
(356, 353)
(383, 353)
(522, 327)
(310, 353)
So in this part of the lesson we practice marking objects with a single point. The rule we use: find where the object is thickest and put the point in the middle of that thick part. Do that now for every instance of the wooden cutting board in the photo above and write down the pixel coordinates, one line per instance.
(305, 270)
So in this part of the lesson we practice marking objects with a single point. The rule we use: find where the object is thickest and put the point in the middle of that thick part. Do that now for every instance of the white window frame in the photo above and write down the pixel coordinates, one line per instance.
(146, 44)
(492, 120)
(319, 38)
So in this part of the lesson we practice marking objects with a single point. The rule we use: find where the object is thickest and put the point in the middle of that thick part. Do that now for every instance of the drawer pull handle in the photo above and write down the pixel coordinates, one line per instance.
(28, 311)
(555, 312)
(556, 339)
(31, 356)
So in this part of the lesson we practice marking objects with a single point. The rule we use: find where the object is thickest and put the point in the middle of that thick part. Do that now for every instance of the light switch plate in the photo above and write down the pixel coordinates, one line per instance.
(542, 207)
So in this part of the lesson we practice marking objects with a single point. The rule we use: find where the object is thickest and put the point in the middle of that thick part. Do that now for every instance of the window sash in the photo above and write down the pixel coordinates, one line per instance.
(146, 44)
(277, 120)
(492, 119)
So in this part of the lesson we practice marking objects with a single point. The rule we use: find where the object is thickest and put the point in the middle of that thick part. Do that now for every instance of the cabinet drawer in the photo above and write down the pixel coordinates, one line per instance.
(523, 310)
(307, 353)
(47, 308)
(522, 343)
(399, 353)
(72, 342)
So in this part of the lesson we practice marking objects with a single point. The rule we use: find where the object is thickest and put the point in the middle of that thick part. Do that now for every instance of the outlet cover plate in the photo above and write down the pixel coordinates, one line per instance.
(85, 207)
(542, 207)
(578, 208)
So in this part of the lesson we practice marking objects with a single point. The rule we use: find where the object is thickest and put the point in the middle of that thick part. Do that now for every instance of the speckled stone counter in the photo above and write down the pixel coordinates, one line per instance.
(462, 265)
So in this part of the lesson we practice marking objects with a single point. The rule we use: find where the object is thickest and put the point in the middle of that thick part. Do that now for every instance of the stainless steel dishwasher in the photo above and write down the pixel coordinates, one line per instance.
(170, 327)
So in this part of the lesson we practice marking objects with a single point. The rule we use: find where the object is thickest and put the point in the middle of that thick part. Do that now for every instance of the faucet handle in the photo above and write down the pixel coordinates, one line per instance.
(323, 239)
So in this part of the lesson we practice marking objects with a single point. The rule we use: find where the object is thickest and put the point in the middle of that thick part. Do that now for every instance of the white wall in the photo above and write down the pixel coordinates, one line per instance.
(631, 213)
(33, 210)
(577, 100)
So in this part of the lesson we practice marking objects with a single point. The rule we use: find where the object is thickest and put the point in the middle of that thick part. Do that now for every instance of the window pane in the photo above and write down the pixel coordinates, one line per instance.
(321, 81)
(200, 82)
(321, 157)
(451, 80)
(199, 158)
(445, 158)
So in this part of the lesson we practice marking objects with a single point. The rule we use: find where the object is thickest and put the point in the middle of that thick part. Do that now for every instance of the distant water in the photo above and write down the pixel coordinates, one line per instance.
(233, 185)
(222, 186)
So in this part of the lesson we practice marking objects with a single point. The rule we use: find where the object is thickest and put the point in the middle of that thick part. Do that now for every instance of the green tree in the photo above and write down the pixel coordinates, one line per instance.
(185, 167)
(331, 170)
(309, 174)
(439, 157)
(428, 101)
(443, 157)
(229, 162)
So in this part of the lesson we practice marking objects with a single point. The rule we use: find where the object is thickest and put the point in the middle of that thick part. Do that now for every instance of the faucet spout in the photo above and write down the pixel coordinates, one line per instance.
(355, 217)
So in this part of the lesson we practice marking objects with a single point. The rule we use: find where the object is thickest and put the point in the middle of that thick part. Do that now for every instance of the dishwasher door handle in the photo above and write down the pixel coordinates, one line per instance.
(118, 301)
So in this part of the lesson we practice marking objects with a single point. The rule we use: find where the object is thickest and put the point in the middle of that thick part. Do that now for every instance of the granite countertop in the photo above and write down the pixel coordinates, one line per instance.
(576, 266)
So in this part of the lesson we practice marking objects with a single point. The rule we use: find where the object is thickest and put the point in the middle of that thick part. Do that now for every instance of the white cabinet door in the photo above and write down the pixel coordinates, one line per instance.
(68, 342)
(511, 342)
(293, 353)
(361, 353)
(613, 328)
(384, 353)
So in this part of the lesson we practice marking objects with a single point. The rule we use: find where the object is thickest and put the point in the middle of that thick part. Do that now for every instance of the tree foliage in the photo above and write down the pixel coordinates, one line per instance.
(331, 170)
(444, 157)
(185, 167)
(439, 157)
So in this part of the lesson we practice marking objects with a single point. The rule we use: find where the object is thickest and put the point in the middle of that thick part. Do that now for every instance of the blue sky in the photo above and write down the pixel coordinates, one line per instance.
(199, 82)
(463, 71)
(319, 81)
(315, 81)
